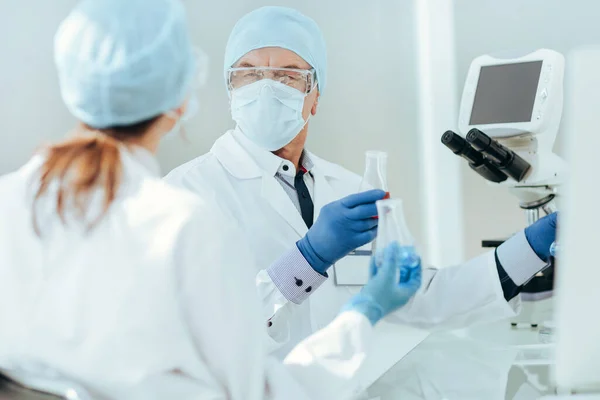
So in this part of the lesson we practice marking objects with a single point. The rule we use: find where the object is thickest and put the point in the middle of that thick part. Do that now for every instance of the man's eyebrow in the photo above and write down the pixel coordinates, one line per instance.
(294, 66)
(245, 64)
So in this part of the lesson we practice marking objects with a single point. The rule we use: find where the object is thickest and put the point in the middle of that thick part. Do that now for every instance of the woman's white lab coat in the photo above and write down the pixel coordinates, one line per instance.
(157, 302)
(452, 296)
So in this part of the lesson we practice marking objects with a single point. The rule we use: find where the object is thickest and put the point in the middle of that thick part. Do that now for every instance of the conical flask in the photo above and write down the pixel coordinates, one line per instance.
(393, 228)
(375, 176)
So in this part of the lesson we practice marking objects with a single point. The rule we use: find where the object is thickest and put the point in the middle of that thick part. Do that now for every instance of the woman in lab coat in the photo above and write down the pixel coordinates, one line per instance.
(251, 170)
(133, 288)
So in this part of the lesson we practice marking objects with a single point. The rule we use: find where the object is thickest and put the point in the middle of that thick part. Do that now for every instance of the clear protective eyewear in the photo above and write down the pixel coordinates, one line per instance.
(299, 79)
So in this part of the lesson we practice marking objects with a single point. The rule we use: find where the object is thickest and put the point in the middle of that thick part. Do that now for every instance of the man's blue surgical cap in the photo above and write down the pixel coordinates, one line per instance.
(121, 62)
(279, 27)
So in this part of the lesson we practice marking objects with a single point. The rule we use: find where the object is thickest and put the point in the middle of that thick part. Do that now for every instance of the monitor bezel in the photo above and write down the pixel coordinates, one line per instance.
(548, 95)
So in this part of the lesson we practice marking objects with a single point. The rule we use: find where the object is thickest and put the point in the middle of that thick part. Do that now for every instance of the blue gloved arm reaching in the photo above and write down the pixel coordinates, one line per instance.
(342, 226)
(390, 286)
(541, 235)
(525, 254)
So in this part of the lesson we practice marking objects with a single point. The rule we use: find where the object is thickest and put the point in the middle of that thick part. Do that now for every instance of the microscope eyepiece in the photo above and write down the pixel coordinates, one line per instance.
(477, 161)
(504, 158)
(453, 141)
(461, 147)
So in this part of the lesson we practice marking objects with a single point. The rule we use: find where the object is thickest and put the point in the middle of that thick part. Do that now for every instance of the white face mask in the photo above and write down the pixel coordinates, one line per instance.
(268, 112)
(190, 111)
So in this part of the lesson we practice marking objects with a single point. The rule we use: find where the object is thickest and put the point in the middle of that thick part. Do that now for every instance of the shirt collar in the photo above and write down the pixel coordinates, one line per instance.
(287, 167)
(145, 158)
(268, 161)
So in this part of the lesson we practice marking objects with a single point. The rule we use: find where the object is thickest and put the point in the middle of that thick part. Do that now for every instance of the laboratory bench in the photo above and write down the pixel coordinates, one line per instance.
(488, 362)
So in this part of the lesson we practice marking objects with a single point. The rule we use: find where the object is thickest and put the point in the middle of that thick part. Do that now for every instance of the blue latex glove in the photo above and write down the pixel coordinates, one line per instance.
(341, 227)
(541, 235)
(390, 286)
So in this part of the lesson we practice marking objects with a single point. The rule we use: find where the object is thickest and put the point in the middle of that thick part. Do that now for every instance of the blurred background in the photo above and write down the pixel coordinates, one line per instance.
(372, 101)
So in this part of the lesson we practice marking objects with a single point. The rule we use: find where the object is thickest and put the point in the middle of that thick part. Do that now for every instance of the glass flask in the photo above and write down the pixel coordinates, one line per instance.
(375, 176)
(393, 228)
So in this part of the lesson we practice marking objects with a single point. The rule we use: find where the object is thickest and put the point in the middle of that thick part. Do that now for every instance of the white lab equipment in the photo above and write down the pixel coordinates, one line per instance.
(510, 112)
(517, 102)
(577, 295)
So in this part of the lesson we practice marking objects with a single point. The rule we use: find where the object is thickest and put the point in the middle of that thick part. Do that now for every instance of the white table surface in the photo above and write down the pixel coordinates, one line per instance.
(487, 362)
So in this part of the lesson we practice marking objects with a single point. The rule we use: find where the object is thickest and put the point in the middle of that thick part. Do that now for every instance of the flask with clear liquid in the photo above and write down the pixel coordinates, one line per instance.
(375, 176)
(393, 228)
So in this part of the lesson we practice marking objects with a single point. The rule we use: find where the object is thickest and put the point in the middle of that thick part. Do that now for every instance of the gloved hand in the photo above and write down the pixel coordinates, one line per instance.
(541, 235)
(390, 286)
(341, 227)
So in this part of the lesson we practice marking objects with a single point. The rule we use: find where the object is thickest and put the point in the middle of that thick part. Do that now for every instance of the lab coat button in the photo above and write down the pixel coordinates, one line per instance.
(285, 167)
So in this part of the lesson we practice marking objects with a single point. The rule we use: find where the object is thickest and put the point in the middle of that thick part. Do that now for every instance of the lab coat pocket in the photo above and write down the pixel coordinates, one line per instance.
(353, 270)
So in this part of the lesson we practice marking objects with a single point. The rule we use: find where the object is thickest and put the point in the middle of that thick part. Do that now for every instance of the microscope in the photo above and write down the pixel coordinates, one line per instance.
(510, 114)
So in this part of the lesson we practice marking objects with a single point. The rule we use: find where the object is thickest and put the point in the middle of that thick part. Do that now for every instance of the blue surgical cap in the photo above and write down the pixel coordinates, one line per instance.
(121, 62)
(279, 27)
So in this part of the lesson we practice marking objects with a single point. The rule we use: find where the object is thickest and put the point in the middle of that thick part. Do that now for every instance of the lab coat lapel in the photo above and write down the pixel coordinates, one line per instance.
(238, 162)
(280, 201)
(274, 194)
(324, 193)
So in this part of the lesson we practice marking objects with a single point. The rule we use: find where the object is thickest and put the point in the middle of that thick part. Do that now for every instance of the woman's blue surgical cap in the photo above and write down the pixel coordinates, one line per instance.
(121, 62)
(279, 27)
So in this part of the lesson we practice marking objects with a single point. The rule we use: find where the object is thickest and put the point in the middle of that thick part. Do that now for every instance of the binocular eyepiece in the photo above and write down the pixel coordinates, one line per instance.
(486, 156)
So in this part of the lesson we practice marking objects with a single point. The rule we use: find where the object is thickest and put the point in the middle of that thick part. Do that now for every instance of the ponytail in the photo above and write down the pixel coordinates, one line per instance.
(83, 164)
(78, 166)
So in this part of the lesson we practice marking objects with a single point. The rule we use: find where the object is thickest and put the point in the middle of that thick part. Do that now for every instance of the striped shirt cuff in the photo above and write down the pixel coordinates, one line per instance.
(294, 277)
(518, 259)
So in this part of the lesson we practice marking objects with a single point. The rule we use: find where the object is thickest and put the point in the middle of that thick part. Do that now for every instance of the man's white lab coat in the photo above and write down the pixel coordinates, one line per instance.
(229, 173)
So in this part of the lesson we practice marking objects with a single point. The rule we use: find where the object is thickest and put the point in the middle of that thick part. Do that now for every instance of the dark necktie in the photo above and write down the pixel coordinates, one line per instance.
(307, 207)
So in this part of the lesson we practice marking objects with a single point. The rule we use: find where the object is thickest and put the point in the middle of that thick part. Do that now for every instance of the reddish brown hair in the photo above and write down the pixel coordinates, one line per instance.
(84, 163)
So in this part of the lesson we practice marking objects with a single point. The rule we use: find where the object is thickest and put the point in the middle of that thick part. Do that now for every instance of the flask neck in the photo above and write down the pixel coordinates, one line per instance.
(392, 223)
(375, 175)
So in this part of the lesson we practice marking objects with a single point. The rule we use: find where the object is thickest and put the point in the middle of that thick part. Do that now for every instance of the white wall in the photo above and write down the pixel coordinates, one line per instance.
(369, 104)
(31, 110)
(488, 26)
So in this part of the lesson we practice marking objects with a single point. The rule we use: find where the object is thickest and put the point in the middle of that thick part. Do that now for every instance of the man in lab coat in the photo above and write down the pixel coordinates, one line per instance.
(275, 67)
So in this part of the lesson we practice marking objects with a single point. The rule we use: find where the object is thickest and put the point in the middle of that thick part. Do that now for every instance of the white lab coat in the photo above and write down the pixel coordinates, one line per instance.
(157, 302)
(450, 297)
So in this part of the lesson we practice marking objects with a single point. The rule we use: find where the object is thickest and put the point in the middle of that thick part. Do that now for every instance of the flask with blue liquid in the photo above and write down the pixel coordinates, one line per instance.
(393, 228)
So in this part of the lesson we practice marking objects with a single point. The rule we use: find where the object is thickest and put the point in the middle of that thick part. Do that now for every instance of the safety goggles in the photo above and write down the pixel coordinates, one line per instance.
(299, 79)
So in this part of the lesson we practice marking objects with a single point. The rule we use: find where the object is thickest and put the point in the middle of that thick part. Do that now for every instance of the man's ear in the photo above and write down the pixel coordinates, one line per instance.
(313, 110)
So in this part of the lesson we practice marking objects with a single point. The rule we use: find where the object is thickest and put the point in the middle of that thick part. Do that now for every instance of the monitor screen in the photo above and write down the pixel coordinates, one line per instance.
(505, 93)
